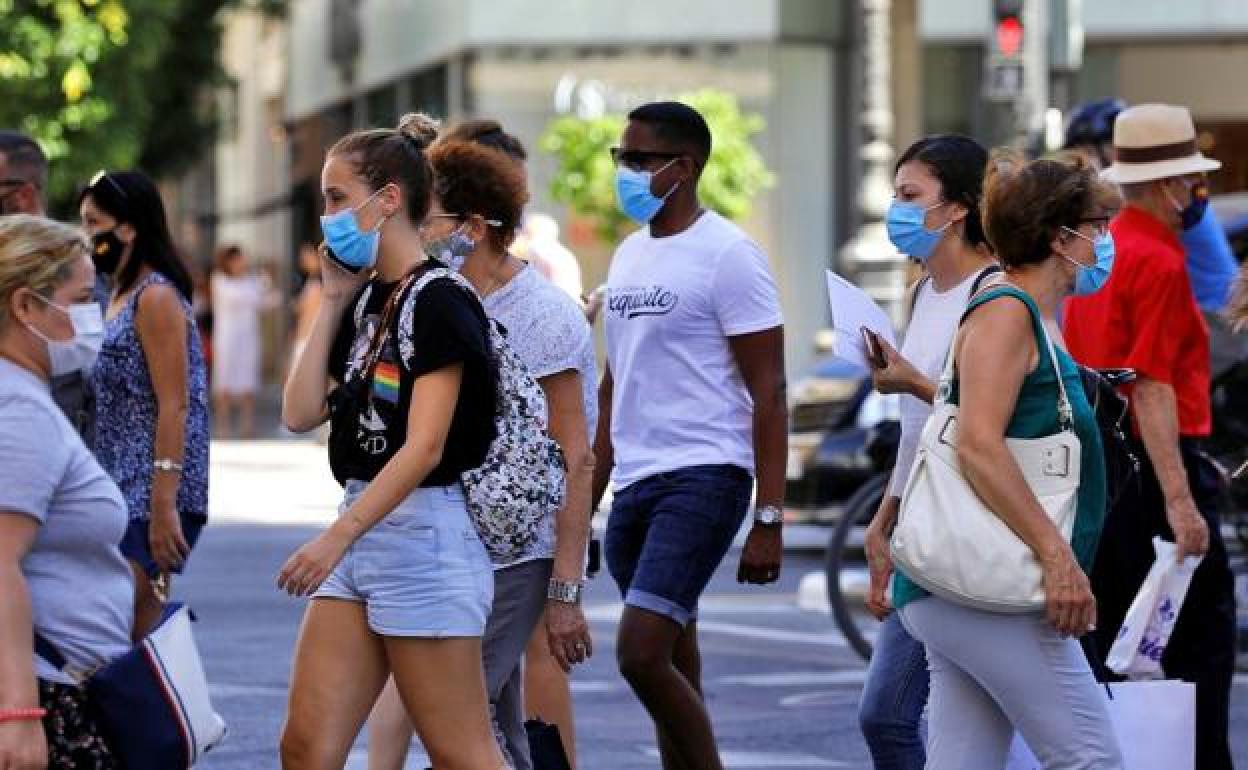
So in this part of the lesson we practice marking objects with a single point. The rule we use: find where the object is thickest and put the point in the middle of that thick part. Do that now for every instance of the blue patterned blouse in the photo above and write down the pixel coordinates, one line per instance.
(126, 413)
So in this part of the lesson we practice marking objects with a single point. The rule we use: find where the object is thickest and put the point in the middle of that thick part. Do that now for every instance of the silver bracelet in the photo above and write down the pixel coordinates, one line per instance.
(564, 592)
(166, 465)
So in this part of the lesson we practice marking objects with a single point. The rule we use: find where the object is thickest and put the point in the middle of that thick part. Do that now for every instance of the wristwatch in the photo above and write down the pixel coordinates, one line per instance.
(563, 591)
(768, 515)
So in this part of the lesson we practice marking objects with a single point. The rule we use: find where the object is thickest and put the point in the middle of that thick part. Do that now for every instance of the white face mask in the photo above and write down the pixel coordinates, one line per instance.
(79, 352)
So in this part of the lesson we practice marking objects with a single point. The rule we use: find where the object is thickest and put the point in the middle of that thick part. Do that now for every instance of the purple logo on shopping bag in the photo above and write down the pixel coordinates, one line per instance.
(1151, 645)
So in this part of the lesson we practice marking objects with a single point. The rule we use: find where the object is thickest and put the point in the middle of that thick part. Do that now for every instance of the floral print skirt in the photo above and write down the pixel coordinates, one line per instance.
(74, 739)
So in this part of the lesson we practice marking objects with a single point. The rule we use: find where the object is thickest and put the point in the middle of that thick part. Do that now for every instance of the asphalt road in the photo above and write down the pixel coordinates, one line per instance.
(781, 685)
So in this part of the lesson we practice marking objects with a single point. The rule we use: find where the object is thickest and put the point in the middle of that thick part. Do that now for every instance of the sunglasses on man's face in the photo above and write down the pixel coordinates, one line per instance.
(639, 159)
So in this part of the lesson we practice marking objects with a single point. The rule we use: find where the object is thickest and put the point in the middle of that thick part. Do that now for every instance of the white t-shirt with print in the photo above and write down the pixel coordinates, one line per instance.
(672, 303)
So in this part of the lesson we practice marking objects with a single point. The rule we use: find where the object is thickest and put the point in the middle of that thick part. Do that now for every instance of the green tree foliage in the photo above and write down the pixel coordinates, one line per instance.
(112, 83)
(585, 181)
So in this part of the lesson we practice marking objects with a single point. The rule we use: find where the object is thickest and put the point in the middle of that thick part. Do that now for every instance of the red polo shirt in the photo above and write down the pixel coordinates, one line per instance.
(1146, 318)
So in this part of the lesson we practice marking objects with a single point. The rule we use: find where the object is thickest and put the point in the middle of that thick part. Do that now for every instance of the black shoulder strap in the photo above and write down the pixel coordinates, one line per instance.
(992, 269)
(48, 651)
(914, 292)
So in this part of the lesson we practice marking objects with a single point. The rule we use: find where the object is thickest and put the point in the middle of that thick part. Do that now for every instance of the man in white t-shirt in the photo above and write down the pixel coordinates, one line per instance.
(692, 408)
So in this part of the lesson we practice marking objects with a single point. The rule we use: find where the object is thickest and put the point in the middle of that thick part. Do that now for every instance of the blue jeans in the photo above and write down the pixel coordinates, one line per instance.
(668, 533)
(893, 699)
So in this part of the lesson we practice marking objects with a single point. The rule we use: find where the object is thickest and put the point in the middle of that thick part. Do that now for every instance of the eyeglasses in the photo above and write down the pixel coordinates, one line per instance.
(1100, 225)
(459, 218)
(639, 158)
(440, 216)
(102, 176)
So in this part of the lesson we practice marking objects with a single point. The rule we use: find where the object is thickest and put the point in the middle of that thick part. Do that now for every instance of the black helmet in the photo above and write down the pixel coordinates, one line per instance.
(1093, 123)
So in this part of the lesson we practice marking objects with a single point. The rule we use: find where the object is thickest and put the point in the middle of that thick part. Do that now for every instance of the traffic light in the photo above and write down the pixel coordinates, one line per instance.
(1003, 81)
(1007, 28)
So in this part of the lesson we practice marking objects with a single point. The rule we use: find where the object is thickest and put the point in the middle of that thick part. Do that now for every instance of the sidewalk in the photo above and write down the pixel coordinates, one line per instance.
(281, 482)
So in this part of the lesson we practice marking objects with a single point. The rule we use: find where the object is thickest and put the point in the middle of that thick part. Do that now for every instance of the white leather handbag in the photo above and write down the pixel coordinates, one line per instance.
(949, 543)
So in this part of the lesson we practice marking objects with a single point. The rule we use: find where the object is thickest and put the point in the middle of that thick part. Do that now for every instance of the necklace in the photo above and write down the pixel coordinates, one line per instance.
(502, 277)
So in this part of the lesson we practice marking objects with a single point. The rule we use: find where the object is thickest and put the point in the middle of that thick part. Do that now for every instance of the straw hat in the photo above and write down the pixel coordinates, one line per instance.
(1155, 141)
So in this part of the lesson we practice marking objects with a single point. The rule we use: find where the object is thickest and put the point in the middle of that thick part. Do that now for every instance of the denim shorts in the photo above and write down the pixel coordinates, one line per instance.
(421, 571)
(668, 533)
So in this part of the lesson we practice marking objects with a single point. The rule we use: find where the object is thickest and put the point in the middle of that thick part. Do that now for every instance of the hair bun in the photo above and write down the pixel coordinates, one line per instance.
(420, 128)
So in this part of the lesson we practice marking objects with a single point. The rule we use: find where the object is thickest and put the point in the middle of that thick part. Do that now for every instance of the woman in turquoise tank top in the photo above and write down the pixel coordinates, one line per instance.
(994, 673)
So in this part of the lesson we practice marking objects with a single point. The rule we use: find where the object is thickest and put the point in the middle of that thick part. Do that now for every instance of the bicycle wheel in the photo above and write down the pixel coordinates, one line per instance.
(849, 612)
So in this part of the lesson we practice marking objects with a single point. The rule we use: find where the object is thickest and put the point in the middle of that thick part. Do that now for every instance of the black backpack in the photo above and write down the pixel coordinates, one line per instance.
(1122, 465)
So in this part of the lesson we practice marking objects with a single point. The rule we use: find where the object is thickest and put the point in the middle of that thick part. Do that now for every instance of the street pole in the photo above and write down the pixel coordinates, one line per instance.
(1034, 99)
(869, 258)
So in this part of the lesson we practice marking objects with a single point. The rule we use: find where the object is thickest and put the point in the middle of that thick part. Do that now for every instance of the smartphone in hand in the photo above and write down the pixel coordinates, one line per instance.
(875, 351)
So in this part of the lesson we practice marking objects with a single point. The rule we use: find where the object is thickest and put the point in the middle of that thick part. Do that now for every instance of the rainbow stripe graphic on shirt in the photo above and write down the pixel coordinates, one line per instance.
(386, 382)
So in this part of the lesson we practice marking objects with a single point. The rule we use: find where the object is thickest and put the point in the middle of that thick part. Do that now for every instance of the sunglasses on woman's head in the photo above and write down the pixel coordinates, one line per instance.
(102, 176)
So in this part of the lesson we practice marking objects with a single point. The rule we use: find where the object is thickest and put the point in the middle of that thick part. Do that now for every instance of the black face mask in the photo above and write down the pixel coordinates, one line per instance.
(106, 251)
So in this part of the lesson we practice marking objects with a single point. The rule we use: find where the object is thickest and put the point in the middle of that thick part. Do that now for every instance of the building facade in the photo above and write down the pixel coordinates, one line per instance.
(336, 65)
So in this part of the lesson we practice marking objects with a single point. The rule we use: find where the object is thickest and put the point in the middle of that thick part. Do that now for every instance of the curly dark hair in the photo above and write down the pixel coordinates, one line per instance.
(491, 134)
(470, 178)
(1026, 203)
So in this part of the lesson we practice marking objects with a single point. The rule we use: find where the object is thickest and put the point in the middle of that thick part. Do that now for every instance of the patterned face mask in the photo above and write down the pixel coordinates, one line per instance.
(453, 249)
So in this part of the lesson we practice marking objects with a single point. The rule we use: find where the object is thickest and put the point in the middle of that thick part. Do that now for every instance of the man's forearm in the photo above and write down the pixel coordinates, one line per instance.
(770, 450)
(604, 453)
(1156, 414)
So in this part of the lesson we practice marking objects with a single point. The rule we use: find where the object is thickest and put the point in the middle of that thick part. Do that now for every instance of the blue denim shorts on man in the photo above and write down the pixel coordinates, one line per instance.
(421, 571)
(668, 533)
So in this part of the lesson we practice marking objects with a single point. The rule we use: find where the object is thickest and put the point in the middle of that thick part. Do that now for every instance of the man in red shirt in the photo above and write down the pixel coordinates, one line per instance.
(1146, 318)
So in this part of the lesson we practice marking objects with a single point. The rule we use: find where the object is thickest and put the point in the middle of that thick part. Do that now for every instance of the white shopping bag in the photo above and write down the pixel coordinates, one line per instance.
(1154, 722)
(1146, 630)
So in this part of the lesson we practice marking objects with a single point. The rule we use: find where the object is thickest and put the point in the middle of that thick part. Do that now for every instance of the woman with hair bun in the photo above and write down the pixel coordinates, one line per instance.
(400, 583)
(478, 202)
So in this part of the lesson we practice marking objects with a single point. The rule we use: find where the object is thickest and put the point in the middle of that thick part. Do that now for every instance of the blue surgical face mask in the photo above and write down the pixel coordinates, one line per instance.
(632, 190)
(351, 248)
(908, 231)
(1089, 279)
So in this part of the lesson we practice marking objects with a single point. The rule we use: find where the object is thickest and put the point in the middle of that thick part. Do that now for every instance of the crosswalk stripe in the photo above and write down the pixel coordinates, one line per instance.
(747, 759)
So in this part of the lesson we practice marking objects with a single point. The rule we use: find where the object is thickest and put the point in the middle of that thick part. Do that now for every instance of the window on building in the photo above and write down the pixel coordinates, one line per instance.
(427, 92)
(382, 107)
(951, 80)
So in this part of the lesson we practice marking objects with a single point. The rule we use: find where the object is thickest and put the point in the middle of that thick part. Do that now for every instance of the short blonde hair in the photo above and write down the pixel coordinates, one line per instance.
(36, 254)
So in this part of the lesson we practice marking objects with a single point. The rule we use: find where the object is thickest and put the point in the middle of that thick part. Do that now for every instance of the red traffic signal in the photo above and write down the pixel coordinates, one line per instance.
(1009, 35)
